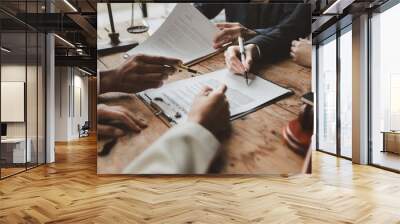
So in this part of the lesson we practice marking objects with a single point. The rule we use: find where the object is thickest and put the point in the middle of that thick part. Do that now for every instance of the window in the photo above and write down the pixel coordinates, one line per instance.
(327, 96)
(346, 92)
(334, 106)
(385, 89)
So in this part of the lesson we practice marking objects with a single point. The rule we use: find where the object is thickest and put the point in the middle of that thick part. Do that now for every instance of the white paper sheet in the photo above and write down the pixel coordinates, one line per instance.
(186, 34)
(177, 97)
(153, 24)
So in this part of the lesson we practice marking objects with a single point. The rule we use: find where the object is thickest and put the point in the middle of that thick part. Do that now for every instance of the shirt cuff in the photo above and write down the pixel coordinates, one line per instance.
(258, 49)
(202, 134)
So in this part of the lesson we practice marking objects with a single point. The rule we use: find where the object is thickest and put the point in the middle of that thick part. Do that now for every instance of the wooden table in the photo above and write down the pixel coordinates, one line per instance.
(255, 146)
(391, 141)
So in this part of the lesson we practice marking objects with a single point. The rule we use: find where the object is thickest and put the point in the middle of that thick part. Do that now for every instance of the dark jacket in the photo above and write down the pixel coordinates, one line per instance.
(277, 24)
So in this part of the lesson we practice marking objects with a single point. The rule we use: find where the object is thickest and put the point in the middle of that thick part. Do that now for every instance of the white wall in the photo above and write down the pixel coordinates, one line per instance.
(61, 104)
(70, 83)
(10, 73)
(80, 110)
(17, 73)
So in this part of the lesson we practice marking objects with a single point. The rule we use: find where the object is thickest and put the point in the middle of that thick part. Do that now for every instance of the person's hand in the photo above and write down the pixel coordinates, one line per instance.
(232, 58)
(116, 121)
(138, 73)
(229, 32)
(211, 110)
(301, 52)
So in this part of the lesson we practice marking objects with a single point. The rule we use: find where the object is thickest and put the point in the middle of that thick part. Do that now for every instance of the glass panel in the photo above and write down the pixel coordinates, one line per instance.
(23, 82)
(41, 90)
(327, 96)
(385, 89)
(41, 99)
(346, 94)
(13, 86)
(31, 99)
(32, 90)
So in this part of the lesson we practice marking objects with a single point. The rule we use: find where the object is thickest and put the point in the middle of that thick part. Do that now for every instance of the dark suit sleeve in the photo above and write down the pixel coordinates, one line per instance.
(275, 42)
(210, 10)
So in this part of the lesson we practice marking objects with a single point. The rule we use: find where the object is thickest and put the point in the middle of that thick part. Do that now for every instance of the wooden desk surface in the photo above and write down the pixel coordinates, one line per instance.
(256, 144)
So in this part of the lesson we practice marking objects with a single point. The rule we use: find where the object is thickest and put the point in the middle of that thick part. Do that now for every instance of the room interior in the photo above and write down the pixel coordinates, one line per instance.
(30, 92)
(22, 101)
(356, 157)
(333, 56)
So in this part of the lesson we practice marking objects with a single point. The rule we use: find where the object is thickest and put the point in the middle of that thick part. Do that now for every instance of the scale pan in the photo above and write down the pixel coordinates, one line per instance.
(137, 29)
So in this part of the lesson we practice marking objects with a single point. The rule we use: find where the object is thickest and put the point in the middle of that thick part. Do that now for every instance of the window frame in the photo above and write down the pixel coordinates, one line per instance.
(346, 26)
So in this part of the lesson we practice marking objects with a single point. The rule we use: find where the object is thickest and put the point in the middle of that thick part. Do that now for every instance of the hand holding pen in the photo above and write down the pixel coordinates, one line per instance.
(236, 63)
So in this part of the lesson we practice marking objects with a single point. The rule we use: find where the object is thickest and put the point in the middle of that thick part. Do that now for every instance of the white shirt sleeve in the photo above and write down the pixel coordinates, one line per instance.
(187, 148)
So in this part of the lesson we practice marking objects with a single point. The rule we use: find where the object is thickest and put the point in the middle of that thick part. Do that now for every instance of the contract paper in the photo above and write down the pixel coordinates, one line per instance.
(175, 99)
(186, 34)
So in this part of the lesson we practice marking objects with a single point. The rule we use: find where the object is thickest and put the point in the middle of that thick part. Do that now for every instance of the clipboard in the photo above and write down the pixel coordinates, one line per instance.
(156, 110)
(172, 102)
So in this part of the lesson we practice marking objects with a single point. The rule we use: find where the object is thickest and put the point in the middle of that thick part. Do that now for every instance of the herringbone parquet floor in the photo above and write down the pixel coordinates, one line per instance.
(69, 191)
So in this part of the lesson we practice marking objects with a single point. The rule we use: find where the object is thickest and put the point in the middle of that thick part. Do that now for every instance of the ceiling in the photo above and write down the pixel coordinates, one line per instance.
(72, 20)
(330, 16)
(39, 6)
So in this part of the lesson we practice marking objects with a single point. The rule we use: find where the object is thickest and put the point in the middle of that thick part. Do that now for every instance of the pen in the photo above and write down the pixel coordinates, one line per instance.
(243, 56)
(186, 68)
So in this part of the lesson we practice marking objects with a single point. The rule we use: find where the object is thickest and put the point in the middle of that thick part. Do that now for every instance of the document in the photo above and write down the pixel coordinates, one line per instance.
(186, 34)
(175, 99)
